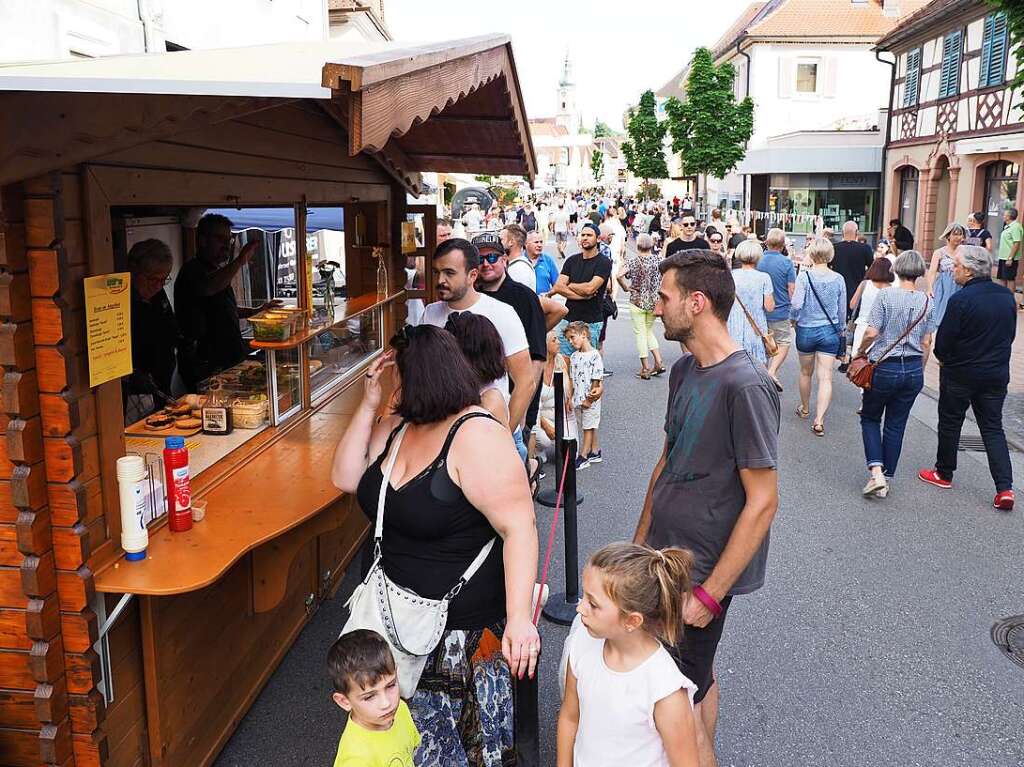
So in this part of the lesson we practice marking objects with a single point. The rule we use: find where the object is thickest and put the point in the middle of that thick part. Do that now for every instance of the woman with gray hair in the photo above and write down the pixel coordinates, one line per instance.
(754, 297)
(941, 284)
(155, 336)
(898, 340)
(639, 276)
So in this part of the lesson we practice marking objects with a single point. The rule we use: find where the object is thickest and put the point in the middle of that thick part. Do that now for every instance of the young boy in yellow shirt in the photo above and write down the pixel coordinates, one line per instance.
(380, 731)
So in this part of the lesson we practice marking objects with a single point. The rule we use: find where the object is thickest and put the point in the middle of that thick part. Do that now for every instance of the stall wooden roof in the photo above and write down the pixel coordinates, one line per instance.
(447, 106)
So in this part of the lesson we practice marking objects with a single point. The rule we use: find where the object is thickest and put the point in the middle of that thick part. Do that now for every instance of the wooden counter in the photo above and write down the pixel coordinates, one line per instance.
(282, 487)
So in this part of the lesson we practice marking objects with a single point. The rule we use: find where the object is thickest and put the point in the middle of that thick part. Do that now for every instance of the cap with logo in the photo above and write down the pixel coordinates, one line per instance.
(489, 241)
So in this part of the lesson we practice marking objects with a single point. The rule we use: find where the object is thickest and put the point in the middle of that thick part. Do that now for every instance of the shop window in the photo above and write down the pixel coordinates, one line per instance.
(994, 46)
(1001, 187)
(912, 80)
(807, 77)
(909, 178)
(949, 77)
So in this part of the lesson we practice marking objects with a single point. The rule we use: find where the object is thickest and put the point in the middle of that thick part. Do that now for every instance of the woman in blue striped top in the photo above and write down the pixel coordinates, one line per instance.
(899, 371)
(818, 310)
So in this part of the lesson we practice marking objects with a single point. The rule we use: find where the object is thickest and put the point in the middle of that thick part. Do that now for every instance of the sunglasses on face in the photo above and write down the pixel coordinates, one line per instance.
(491, 258)
(689, 223)
(716, 239)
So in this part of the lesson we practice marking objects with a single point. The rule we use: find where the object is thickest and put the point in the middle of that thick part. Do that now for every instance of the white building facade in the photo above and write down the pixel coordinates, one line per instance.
(45, 30)
(820, 95)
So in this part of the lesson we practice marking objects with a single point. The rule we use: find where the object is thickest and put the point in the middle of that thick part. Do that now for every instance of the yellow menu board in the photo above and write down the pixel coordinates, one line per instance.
(108, 326)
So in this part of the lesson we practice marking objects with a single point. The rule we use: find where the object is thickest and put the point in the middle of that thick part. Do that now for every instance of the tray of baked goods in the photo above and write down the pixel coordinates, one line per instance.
(179, 419)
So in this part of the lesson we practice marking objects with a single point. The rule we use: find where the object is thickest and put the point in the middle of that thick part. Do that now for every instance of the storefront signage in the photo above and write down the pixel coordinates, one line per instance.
(108, 326)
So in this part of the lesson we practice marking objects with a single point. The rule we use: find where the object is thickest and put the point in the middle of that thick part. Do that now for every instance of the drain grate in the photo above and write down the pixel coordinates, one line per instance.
(1008, 635)
(975, 444)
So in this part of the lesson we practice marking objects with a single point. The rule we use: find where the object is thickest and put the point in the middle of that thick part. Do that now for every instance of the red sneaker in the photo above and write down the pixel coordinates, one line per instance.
(1003, 501)
(932, 478)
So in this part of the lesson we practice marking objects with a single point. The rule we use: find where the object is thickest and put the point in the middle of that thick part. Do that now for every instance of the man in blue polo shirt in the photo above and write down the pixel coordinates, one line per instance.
(780, 269)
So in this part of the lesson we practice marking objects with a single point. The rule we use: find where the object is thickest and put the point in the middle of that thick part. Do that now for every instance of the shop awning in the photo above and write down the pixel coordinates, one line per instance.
(276, 219)
(448, 106)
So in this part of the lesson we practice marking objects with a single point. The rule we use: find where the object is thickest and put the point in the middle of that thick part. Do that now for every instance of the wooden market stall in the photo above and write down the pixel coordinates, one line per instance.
(109, 662)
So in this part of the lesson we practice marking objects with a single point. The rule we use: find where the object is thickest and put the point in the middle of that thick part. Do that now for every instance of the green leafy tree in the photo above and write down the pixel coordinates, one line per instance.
(710, 129)
(597, 164)
(602, 130)
(1014, 11)
(645, 155)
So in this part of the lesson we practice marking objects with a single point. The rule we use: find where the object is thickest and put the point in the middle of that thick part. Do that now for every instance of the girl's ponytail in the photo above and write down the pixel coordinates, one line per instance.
(672, 567)
(652, 582)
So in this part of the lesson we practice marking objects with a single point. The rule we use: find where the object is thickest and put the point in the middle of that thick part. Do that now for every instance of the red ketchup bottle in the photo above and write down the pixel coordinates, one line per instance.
(178, 484)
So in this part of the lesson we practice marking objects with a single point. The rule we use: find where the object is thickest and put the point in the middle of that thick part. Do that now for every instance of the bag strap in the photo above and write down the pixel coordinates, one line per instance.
(385, 482)
(906, 332)
(818, 298)
(750, 319)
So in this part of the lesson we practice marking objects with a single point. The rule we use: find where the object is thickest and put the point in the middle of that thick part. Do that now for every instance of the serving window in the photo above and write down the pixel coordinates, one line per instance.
(240, 327)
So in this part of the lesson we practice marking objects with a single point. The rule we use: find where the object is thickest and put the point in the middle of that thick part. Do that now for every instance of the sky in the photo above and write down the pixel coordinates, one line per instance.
(617, 49)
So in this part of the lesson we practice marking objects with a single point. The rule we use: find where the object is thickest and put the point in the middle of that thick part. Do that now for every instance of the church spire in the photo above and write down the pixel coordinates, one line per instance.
(566, 71)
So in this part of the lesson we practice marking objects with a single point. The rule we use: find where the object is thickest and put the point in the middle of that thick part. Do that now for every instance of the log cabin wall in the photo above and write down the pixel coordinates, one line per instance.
(29, 627)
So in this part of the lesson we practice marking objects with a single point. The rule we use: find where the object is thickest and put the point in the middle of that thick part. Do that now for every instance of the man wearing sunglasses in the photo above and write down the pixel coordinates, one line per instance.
(689, 239)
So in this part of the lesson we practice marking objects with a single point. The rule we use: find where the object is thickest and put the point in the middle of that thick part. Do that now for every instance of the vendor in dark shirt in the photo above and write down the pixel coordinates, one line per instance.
(154, 329)
(208, 311)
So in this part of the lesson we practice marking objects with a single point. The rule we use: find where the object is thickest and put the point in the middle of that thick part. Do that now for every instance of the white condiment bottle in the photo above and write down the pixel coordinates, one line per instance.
(131, 484)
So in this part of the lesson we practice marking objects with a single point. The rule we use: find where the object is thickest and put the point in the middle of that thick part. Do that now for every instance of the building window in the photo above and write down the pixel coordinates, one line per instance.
(912, 80)
(909, 178)
(994, 46)
(949, 78)
(1001, 180)
(807, 77)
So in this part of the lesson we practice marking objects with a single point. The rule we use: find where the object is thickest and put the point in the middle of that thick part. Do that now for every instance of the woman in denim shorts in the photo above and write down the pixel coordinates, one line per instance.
(818, 310)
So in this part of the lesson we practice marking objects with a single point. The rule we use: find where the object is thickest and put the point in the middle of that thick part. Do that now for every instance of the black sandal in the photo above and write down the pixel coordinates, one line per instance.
(535, 478)
(659, 370)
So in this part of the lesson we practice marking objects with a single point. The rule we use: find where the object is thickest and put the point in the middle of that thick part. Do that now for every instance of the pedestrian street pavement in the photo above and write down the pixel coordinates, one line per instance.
(869, 644)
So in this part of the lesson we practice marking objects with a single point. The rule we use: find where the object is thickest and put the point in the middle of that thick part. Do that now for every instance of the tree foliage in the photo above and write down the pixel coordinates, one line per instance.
(597, 164)
(645, 155)
(1014, 10)
(710, 129)
(602, 129)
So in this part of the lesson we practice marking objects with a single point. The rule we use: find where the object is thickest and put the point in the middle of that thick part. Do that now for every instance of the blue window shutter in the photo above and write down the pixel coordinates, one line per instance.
(949, 83)
(994, 48)
(912, 81)
(986, 51)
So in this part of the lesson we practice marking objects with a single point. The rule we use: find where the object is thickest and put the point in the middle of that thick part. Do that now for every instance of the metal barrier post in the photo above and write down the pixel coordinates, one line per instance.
(561, 608)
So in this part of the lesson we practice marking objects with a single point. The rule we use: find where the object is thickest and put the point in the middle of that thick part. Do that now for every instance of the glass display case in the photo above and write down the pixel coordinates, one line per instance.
(340, 348)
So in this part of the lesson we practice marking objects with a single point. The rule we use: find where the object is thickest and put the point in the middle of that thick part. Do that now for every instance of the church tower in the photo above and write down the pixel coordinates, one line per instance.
(566, 114)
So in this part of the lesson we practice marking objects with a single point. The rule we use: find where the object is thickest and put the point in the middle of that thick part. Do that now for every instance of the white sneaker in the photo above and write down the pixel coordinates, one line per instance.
(877, 487)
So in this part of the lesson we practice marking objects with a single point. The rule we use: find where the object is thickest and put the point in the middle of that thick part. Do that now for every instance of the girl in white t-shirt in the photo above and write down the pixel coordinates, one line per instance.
(626, 702)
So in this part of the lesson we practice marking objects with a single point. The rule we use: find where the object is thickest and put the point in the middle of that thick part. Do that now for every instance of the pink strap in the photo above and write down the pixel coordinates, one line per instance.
(551, 538)
(707, 600)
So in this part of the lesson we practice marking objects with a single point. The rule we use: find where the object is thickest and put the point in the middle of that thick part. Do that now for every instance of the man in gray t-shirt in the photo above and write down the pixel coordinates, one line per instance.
(720, 419)
(715, 488)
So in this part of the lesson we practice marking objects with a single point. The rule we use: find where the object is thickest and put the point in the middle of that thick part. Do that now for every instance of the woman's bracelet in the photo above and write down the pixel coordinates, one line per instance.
(707, 600)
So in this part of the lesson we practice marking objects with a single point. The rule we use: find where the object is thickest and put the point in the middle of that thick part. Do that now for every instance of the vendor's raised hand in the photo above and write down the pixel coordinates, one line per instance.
(249, 249)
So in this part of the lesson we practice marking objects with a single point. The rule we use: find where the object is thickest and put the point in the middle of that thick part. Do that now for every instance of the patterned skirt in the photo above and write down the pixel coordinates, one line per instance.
(463, 706)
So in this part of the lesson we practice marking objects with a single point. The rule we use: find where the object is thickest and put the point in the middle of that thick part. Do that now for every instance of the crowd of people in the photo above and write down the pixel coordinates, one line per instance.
(458, 416)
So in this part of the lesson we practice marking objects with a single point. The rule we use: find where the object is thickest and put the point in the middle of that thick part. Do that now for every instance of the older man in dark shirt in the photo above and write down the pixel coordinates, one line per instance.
(973, 345)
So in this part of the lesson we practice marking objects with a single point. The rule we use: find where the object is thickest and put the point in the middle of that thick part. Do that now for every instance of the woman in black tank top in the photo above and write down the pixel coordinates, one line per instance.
(457, 482)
